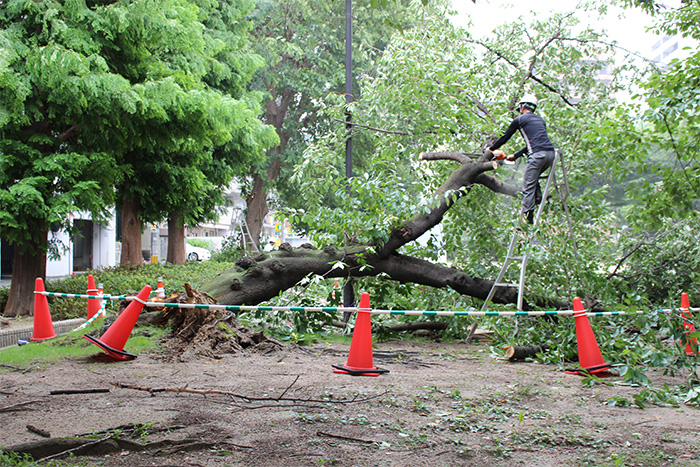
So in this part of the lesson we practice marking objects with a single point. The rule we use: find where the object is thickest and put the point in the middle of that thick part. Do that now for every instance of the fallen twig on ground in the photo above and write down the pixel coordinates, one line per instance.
(39, 431)
(17, 368)
(17, 406)
(248, 399)
(347, 438)
(78, 391)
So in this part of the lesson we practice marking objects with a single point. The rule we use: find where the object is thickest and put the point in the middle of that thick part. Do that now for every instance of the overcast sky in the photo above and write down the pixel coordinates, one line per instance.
(626, 26)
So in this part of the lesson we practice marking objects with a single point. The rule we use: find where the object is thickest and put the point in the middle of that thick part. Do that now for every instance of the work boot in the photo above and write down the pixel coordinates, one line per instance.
(530, 216)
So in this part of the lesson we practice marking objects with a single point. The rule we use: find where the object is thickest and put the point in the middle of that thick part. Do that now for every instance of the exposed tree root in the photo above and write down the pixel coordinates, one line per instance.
(58, 448)
(203, 332)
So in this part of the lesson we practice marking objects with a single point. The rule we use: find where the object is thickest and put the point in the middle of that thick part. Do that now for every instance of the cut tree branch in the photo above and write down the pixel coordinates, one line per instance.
(243, 397)
(260, 278)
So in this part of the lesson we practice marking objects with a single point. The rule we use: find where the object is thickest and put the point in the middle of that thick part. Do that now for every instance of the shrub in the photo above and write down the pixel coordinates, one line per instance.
(124, 280)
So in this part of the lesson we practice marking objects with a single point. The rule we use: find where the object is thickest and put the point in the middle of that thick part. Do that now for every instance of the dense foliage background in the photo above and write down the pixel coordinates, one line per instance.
(629, 143)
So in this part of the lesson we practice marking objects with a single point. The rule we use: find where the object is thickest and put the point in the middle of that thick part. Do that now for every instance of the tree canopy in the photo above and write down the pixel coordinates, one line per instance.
(437, 90)
(303, 44)
(137, 102)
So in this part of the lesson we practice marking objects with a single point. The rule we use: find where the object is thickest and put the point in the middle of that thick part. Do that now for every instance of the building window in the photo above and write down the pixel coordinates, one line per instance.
(671, 49)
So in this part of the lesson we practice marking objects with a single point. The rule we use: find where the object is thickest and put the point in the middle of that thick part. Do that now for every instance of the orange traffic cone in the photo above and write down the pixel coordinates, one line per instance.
(160, 291)
(589, 356)
(114, 338)
(93, 304)
(688, 325)
(360, 357)
(43, 326)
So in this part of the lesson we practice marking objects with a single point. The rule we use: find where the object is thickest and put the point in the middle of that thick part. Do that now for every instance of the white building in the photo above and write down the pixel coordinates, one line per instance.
(668, 48)
(96, 247)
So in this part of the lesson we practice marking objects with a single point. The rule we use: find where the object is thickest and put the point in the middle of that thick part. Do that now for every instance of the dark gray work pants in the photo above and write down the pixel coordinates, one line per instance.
(536, 164)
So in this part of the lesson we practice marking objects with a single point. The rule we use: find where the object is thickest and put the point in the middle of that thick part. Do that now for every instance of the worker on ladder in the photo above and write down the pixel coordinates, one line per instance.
(539, 150)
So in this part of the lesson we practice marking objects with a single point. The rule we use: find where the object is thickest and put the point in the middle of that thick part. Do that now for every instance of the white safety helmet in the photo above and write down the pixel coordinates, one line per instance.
(529, 101)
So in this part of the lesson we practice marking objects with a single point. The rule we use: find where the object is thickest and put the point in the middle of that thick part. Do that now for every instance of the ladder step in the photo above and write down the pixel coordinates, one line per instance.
(505, 284)
(519, 258)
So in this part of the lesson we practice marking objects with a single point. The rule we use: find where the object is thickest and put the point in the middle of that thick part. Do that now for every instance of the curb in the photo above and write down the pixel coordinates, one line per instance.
(9, 337)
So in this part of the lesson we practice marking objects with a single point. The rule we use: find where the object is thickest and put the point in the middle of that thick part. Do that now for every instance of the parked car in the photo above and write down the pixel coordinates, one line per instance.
(195, 253)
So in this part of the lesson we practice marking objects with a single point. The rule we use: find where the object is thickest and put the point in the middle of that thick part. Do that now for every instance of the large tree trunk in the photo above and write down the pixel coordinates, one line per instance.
(261, 278)
(131, 232)
(26, 268)
(176, 239)
(255, 280)
(256, 210)
(256, 201)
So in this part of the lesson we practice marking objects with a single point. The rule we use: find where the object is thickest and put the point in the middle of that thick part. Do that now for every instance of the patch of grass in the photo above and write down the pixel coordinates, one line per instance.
(336, 338)
(13, 459)
(648, 458)
(72, 345)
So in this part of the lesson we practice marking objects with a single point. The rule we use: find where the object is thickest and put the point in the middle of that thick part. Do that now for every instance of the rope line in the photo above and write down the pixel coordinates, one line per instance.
(328, 309)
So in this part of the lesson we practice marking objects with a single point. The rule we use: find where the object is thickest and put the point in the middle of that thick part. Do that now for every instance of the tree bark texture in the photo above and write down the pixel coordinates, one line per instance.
(260, 278)
(256, 201)
(256, 210)
(131, 232)
(176, 239)
(26, 267)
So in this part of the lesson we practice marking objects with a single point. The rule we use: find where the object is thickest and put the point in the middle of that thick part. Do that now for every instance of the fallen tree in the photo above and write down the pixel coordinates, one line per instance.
(263, 276)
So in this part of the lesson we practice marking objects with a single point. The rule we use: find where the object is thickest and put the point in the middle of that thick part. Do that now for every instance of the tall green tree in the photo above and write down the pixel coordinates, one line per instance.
(303, 44)
(99, 100)
(203, 177)
(670, 127)
(53, 87)
(162, 50)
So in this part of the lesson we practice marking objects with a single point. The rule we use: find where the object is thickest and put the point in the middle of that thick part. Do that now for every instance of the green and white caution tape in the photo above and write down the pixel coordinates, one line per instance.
(330, 309)
(497, 313)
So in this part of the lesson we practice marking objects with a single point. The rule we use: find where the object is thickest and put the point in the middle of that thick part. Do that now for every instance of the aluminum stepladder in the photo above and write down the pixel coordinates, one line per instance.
(510, 256)
(238, 220)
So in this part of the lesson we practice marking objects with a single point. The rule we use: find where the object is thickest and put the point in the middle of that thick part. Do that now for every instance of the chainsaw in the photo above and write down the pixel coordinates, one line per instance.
(499, 156)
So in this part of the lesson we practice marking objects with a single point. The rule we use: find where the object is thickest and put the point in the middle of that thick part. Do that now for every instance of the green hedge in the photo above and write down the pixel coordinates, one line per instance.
(124, 280)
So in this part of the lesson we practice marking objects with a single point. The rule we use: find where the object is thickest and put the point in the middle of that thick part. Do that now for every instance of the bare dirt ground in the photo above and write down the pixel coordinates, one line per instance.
(441, 404)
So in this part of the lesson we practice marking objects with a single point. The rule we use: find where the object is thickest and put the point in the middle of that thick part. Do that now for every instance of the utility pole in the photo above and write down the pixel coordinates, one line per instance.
(348, 87)
(348, 288)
